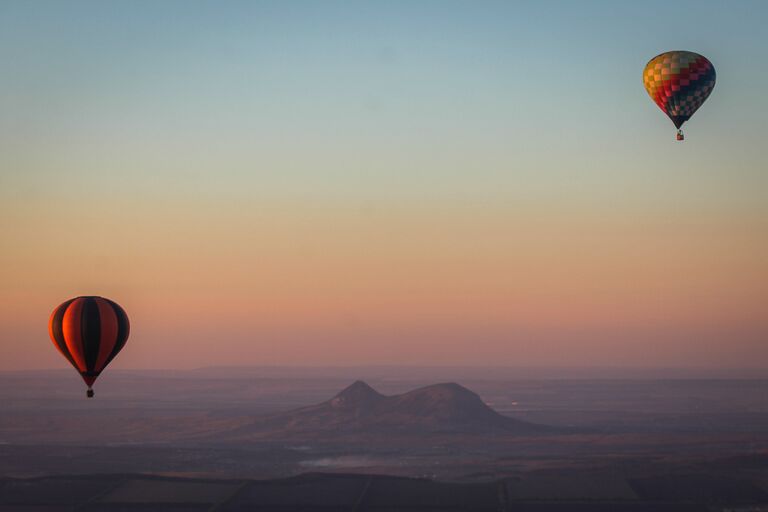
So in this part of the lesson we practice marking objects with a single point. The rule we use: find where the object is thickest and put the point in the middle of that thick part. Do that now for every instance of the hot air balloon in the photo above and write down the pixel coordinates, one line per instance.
(89, 332)
(679, 82)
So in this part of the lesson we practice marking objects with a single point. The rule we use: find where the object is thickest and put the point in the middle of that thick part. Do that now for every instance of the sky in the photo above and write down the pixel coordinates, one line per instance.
(420, 182)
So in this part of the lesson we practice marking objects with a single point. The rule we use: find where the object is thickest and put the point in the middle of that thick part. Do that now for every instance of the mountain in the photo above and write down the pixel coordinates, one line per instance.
(439, 408)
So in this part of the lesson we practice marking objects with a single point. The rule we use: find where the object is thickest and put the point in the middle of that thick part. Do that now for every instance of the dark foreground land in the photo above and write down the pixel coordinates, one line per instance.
(342, 492)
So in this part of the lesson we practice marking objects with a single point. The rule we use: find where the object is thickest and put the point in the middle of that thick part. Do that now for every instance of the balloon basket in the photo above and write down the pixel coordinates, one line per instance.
(89, 393)
(680, 135)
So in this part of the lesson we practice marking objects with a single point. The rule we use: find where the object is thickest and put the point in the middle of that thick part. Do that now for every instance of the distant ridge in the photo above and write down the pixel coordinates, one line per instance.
(358, 409)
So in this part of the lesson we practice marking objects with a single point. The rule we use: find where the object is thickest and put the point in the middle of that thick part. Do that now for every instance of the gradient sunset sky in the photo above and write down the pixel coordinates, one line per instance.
(420, 182)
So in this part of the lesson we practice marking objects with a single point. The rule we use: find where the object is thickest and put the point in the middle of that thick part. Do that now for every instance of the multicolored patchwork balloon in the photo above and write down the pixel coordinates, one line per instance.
(89, 332)
(679, 82)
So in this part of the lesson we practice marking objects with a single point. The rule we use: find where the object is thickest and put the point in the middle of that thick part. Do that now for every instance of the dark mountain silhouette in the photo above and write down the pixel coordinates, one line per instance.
(447, 408)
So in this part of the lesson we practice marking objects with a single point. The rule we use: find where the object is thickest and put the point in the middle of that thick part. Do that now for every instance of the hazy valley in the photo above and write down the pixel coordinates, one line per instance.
(281, 422)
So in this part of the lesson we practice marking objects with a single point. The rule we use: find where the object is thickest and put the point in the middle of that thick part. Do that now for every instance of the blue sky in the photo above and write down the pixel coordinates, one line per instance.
(403, 89)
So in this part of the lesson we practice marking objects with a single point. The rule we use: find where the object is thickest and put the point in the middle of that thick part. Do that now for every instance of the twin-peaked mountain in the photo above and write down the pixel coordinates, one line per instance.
(436, 407)
(360, 409)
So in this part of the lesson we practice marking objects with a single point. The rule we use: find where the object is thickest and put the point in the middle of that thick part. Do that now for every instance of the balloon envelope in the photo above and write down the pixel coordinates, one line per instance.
(89, 332)
(679, 82)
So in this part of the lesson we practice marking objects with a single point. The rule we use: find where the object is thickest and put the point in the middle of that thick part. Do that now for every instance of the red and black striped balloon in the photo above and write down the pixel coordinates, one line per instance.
(89, 332)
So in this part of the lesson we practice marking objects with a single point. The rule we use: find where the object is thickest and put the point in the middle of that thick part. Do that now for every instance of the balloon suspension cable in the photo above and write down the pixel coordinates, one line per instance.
(89, 393)
(680, 135)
